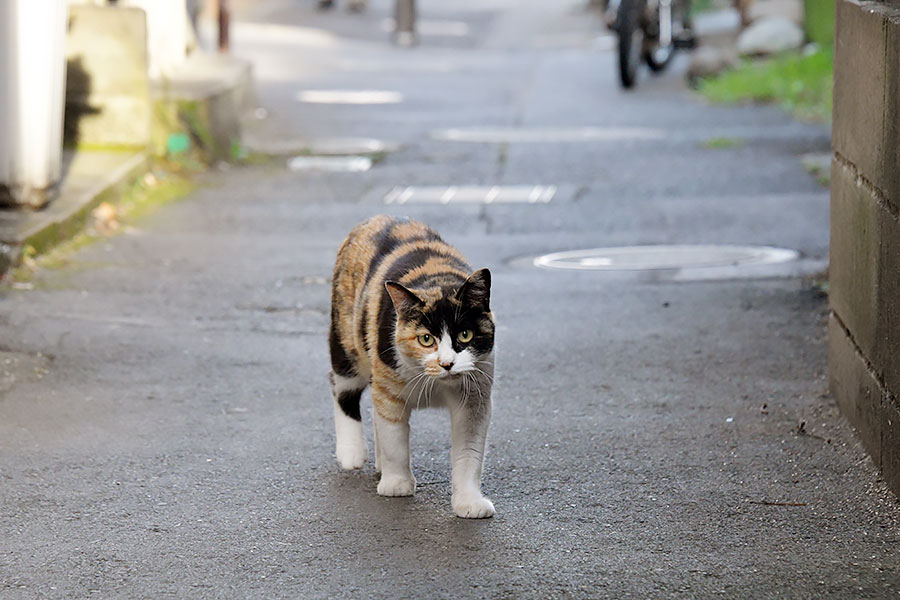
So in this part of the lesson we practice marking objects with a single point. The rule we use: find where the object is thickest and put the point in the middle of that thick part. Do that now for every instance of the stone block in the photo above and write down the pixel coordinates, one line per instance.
(859, 86)
(865, 271)
(788, 9)
(854, 256)
(204, 98)
(107, 89)
(770, 35)
(856, 389)
(867, 92)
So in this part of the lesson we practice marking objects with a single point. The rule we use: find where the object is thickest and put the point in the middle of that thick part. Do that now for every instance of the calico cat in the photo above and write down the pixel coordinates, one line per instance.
(411, 319)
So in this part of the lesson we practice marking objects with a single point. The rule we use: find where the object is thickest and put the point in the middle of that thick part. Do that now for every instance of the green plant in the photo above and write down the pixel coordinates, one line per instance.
(799, 83)
(720, 143)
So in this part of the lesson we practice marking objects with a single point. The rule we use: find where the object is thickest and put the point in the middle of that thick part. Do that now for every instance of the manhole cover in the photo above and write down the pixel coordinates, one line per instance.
(498, 194)
(654, 258)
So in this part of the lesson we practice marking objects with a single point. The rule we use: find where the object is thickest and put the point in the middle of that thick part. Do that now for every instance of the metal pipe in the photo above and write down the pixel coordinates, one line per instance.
(665, 23)
(224, 26)
(405, 22)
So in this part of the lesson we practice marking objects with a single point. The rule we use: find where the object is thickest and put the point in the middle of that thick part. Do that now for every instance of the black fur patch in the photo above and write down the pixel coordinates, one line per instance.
(456, 318)
(477, 289)
(363, 327)
(348, 400)
(387, 243)
(443, 279)
(341, 363)
(417, 257)
(387, 325)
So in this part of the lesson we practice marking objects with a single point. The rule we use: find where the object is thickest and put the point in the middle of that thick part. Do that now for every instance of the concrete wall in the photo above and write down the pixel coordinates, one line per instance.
(864, 326)
(107, 88)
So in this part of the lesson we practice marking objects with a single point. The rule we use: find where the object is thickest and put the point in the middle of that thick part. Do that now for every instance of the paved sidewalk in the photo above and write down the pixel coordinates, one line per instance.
(165, 418)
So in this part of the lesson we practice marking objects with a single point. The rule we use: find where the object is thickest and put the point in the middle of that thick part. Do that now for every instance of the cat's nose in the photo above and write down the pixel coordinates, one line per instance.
(447, 365)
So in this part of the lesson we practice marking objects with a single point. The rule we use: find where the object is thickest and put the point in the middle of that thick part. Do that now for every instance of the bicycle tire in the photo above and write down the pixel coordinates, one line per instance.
(631, 41)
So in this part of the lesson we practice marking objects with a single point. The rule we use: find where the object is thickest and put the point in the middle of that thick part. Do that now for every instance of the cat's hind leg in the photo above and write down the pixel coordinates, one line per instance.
(350, 442)
(347, 385)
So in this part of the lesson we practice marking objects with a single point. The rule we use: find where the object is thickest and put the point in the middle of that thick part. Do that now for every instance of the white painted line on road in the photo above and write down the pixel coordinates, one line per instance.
(332, 164)
(409, 65)
(678, 135)
(432, 27)
(501, 135)
(349, 97)
(334, 146)
(498, 194)
(269, 34)
(448, 195)
(339, 146)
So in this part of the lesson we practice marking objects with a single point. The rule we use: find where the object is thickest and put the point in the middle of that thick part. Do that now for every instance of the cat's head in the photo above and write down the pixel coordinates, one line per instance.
(445, 331)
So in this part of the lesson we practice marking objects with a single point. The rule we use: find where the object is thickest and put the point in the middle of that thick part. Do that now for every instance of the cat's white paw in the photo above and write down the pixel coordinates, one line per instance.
(351, 456)
(472, 506)
(393, 485)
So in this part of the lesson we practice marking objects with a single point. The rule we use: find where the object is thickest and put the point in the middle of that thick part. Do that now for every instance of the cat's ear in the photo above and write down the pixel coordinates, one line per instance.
(403, 299)
(476, 291)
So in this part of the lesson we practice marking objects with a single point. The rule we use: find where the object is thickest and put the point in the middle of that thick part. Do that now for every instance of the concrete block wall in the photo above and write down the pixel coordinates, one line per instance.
(107, 88)
(864, 326)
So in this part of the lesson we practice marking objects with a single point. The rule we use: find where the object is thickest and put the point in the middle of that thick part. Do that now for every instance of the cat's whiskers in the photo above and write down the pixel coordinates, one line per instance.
(419, 378)
(425, 383)
(486, 375)
(467, 379)
(430, 386)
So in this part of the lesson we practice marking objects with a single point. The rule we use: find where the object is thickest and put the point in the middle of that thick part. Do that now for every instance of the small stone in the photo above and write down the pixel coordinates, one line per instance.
(770, 35)
(707, 61)
(788, 9)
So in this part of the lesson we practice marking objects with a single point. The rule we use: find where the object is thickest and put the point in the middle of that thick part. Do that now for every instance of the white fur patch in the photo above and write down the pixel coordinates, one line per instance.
(465, 361)
(445, 352)
(350, 443)
(343, 384)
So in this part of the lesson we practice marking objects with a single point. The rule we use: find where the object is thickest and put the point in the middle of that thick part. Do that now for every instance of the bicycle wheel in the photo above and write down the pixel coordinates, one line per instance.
(631, 41)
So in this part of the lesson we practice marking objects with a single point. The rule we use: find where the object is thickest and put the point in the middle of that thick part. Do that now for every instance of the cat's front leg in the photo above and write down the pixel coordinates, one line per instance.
(392, 447)
(468, 433)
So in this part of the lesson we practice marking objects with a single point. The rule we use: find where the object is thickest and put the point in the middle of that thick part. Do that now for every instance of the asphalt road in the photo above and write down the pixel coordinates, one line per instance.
(165, 415)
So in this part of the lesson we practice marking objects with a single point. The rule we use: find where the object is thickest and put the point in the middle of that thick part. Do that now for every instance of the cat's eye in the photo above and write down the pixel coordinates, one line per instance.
(426, 339)
(465, 336)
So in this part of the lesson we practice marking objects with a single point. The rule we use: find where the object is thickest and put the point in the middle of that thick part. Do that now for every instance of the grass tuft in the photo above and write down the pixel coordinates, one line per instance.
(722, 143)
(799, 83)
(142, 198)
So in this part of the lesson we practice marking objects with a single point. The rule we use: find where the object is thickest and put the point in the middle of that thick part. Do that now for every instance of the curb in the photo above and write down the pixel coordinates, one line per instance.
(68, 213)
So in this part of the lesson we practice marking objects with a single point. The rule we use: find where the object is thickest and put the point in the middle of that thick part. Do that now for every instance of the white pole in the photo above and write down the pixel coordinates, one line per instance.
(32, 93)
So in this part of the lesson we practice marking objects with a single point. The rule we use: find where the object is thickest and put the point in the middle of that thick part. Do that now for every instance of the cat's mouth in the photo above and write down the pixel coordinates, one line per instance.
(444, 375)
